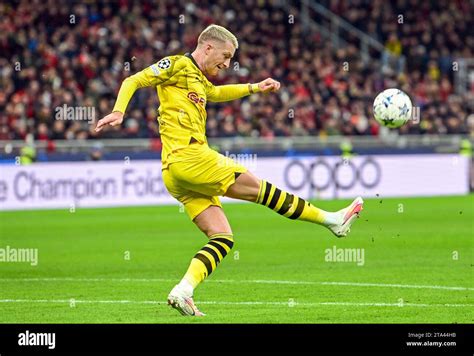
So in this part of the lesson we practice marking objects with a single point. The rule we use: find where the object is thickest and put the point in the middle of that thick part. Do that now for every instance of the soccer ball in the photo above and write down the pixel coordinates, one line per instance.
(392, 108)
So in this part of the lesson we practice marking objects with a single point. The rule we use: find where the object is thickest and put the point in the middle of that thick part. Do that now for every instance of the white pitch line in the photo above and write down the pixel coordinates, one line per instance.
(289, 304)
(258, 281)
(395, 285)
(354, 284)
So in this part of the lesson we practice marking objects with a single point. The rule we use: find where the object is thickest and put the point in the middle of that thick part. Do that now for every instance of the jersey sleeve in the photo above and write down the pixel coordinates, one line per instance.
(230, 92)
(157, 74)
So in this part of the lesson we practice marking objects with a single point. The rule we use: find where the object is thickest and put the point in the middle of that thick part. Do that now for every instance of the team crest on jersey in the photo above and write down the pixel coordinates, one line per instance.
(165, 63)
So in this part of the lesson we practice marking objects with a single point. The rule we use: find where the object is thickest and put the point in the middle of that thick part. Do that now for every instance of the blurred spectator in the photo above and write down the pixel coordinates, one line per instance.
(96, 152)
(393, 52)
(27, 155)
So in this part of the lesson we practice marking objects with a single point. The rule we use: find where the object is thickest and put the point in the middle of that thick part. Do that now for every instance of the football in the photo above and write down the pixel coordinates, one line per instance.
(392, 108)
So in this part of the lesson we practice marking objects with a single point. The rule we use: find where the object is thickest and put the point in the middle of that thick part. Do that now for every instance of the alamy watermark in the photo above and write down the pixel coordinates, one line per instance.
(28, 338)
(75, 113)
(355, 255)
(248, 160)
(415, 115)
(21, 255)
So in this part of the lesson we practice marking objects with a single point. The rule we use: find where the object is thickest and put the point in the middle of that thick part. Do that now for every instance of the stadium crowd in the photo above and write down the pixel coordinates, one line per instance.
(77, 53)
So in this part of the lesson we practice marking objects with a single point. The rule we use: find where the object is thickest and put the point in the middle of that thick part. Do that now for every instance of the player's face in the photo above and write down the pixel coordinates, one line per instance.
(219, 55)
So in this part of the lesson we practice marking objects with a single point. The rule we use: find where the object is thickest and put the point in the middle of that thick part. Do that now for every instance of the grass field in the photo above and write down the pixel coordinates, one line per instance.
(118, 265)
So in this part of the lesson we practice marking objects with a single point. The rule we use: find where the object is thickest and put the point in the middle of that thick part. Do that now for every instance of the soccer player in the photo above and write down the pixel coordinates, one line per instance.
(196, 175)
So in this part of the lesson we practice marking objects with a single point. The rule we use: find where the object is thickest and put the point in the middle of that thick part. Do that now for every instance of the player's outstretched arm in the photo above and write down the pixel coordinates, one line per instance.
(153, 75)
(230, 92)
(127, 89)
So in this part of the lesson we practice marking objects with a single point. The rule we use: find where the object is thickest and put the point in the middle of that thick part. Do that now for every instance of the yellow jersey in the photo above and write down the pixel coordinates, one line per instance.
(183, 91)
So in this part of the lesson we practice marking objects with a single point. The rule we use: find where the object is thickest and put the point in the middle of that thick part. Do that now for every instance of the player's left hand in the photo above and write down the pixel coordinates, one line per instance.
(113, 119)
(269, 85)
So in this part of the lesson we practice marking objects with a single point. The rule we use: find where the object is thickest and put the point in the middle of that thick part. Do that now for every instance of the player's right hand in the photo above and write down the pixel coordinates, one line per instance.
(269, 85)
(113, 119)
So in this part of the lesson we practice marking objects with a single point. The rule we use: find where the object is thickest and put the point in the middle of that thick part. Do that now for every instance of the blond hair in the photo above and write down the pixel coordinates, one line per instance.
(219, 33)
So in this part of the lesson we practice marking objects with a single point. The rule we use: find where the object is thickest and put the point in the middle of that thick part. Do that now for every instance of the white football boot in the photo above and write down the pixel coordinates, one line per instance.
(182, 301)
(347, 217)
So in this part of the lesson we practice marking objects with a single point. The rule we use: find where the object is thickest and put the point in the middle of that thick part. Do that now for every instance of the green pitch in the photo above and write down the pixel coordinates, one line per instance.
(412, 263)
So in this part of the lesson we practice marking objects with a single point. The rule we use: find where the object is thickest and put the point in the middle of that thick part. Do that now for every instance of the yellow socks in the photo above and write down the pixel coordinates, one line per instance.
(208, 257)
(291, 206)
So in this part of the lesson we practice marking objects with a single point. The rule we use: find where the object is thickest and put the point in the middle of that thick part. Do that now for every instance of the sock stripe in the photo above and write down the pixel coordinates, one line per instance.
(299, 209)
(272, 192)
(289, 205)
(213, 253)
(275, 198)
(222, 245)
(286, 204)
(205, 261)
(219, 247)
(268, 187)
(259, 196)
(228, 242)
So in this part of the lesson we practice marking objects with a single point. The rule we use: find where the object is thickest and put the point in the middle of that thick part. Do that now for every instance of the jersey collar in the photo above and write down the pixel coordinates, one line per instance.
(192, 60)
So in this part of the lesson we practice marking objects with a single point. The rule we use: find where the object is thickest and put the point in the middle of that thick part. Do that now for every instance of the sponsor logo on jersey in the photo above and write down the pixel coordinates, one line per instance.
(196, 99)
